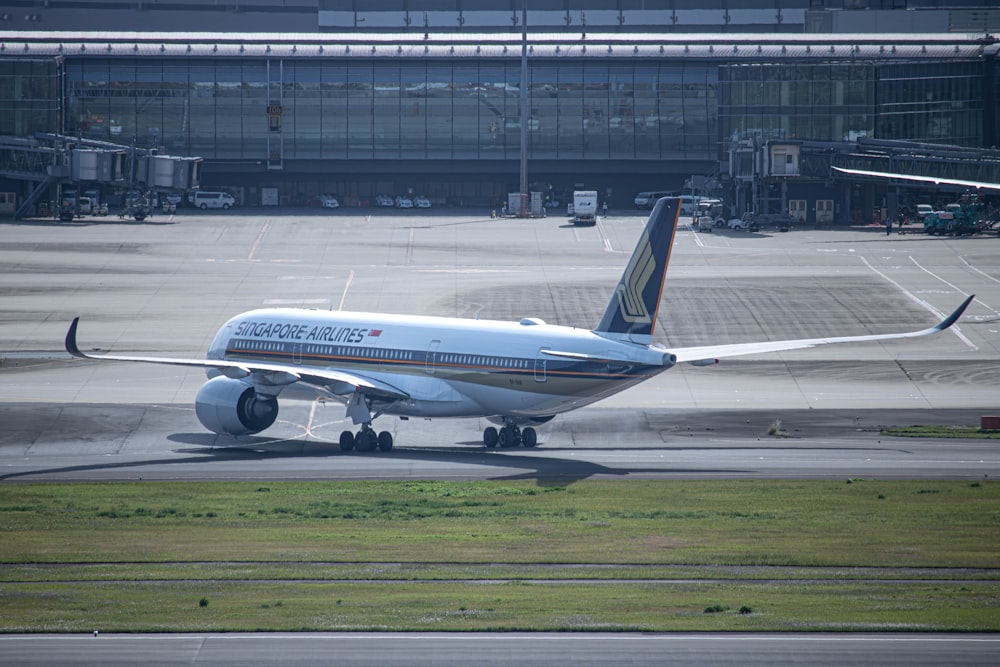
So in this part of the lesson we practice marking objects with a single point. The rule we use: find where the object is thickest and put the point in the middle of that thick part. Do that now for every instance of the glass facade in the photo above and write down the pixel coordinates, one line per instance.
(821, 102)
(468, 109)
(939, 102)
(29, 97)
(382, 110)
(932, 102)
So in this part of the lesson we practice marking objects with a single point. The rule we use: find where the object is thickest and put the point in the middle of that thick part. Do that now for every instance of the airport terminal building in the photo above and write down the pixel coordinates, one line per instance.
(394, 100)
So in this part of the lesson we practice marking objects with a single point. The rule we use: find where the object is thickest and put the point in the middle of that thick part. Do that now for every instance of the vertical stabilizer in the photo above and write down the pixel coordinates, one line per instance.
(633, 306)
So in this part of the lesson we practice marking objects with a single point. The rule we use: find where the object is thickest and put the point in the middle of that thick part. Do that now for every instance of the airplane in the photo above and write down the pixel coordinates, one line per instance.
(514, 374)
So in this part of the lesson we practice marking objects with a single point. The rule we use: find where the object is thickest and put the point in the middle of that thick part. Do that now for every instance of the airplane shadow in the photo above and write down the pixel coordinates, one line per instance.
(204, 450)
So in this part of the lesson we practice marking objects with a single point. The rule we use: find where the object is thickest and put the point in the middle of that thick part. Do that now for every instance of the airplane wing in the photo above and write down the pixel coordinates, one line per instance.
(709, 354)
(273, 374)
(982, 185)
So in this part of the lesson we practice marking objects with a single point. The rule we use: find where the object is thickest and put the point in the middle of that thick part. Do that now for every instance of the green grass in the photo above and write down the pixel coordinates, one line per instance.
(500, 555)
(918, 431)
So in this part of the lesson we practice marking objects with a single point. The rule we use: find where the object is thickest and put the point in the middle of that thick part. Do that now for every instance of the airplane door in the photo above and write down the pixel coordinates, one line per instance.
(297, 353)
(541, 366)
(432, 352)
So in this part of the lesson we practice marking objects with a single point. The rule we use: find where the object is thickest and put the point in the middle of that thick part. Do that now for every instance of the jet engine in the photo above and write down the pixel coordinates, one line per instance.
(233, 407)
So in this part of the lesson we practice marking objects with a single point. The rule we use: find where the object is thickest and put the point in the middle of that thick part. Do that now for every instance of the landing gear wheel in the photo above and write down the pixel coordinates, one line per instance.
(490, 437)
(509, 437)
(366, 440)
(385, 441)
(529, 438)
(346, 441)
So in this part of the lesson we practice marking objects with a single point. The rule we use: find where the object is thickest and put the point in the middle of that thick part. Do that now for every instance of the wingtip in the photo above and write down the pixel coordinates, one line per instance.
(951, 319)
(71, 345)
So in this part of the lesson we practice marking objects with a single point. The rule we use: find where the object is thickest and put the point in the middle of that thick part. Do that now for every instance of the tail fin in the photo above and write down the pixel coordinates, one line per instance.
(633, 306)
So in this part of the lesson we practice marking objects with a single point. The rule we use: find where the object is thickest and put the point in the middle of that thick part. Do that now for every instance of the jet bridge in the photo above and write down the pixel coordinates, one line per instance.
(55, 160)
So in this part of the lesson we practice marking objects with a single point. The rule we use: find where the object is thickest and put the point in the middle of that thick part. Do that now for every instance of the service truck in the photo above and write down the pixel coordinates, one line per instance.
(708, 215)
(585, 207)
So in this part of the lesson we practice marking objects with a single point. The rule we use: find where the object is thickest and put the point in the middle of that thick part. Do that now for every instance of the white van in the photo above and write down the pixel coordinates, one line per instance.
(648, 199)
(205, 200)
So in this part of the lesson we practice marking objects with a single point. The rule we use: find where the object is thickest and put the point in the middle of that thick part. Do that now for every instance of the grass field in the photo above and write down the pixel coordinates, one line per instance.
(636, 555)
(935, 431)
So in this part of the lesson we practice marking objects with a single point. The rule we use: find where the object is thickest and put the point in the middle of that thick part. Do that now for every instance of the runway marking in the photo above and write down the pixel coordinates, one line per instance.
(469, 271)
(923, 304)
(696, 235)
(980, 272)
(955, 287)
(409, 243)
(605, 241)
(343, 296)
(260, 237)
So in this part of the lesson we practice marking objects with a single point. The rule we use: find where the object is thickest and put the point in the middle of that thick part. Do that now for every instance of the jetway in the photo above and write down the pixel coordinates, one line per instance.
(55, 160)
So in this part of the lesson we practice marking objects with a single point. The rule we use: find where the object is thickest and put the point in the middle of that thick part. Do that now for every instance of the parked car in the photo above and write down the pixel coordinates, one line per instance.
(384, 200)
(328, 201)
(404, 202)
(422, 202)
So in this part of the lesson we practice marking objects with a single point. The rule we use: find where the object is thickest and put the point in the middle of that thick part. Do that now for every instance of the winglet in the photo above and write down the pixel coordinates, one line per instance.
(71, 345)
(951, 319)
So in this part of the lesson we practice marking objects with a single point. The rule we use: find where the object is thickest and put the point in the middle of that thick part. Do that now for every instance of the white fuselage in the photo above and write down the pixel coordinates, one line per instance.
(445, 367)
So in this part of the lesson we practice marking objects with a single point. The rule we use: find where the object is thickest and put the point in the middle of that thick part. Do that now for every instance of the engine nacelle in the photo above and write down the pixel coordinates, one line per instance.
(233, 407)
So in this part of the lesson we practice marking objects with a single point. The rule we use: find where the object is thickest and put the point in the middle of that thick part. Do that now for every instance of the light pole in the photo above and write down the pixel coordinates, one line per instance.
(523, 213)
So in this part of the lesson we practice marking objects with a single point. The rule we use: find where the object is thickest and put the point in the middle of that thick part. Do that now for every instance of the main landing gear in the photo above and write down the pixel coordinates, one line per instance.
(366, 440)
(509, 436)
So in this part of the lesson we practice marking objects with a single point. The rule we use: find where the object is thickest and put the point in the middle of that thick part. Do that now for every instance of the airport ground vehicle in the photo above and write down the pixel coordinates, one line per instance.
(422, 202)
(958, 219)
(328, 201)
(747, 222)
(404, 202)
(137, 205)
(206, 200)
(85, 206)
(780, 221)
(585, 207)
(384, 200)
(708, 215)
(648, 199)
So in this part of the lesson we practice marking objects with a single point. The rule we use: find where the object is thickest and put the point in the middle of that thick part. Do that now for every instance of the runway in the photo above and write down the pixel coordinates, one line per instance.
(156, 442)
(492, 649)
(164, 287)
